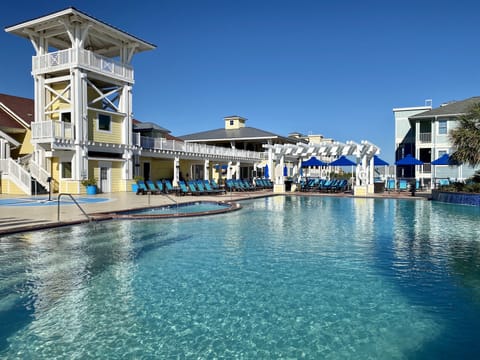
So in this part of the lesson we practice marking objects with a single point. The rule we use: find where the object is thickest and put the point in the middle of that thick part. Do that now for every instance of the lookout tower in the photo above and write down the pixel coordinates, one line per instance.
(83, 81)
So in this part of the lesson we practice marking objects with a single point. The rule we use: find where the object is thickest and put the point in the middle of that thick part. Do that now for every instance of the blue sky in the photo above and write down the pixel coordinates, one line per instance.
(335, 68)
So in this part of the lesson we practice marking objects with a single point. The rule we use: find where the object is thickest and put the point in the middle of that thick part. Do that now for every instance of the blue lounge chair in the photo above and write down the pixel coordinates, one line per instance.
(151, 186)
(159, 185)
(211, 190)
(193, 189)
(183, 190)
(402, 185)
(390, 185)
(142, 188)
(168, 186)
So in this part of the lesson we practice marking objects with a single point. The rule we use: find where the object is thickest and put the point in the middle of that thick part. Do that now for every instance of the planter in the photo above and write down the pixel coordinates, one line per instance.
(91, 189)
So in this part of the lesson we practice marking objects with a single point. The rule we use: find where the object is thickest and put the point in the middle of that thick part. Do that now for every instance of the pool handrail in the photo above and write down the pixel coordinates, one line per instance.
(76, 203)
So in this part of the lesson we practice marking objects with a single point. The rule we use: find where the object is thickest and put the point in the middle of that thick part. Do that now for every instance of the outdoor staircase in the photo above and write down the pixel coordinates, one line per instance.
(22, 172)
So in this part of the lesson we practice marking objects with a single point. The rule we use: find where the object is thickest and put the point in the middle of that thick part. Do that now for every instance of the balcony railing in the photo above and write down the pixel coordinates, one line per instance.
(65, 59)
(193, 148)
(425, 137)
(48, 130)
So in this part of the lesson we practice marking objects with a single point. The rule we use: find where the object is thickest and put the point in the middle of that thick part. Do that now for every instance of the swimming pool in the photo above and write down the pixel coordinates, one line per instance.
(196, 208)
(285, 277)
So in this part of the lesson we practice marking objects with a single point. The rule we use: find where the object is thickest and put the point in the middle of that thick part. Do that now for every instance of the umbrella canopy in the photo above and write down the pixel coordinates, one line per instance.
(285, 171)
(265, 172)
(409, 160)
(379, 162)
(313, 161)
(342, 161)
(445, 159)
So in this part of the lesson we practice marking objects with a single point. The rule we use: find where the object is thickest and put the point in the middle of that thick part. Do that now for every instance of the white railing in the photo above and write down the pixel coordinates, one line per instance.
(425, 137)
(47, 130)
(194, 148)
(17, 174)
(68, 58)
(39, 173)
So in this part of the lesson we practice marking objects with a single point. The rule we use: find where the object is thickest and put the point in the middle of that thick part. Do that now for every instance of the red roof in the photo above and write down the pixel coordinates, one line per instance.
(21, 107)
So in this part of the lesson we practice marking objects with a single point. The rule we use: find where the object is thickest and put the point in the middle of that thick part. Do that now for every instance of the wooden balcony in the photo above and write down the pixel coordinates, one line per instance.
(66, 59)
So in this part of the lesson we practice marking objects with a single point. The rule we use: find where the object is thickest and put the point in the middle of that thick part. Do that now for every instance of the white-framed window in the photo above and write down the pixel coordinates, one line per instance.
(66, 117)
(442, 127)
(104, 122)
(442, 152)
(66, 169)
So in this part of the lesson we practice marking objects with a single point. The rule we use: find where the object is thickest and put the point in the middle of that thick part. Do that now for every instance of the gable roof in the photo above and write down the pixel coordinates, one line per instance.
(456, 108)
(15, 112)
(243, 133)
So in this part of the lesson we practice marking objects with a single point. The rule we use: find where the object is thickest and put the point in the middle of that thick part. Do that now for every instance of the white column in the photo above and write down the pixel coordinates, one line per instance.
(176, 171)
(206, 170)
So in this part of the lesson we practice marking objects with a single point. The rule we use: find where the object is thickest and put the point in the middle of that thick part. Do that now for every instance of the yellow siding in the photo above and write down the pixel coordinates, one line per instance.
(26, 147)
(113, 137)
(59, 103)
(55, 174)
(116, 175)
(9, 187)
(160, 169)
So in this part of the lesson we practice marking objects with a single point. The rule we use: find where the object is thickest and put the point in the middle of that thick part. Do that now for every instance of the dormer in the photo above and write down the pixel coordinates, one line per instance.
(234, 122)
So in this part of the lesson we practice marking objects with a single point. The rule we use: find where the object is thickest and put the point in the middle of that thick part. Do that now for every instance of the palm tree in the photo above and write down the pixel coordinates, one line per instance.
(466, 137)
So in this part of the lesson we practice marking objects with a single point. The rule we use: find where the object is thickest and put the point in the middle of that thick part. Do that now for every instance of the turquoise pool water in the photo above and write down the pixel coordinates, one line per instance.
(284, 277)
(186, 208)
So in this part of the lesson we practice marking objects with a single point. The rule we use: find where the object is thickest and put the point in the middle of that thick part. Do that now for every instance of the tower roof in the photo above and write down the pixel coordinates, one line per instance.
(103, 38)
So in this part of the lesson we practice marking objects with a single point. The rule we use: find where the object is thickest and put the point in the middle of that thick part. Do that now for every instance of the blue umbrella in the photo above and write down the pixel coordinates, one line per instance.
(409, 160)
(445, 159)
(285, 171)
(342, 161)
(265, 171)
(313, 161)
(379, 162)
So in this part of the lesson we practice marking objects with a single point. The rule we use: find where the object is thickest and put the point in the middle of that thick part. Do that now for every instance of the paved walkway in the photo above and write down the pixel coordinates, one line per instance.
(43, 214)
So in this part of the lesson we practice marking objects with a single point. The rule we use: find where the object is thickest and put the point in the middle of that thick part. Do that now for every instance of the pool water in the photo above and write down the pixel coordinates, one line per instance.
(285, 277)
(186, 208)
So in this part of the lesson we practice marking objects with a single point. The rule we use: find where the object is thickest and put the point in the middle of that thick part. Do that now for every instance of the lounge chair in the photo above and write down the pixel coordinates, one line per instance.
(390, 185)
(168, 186)
(214, 185)
(201, 186)
(211, 190)
(142, 188)
(159, 184)
(183, 190)
(402, 185)
(151, 186)
(193, 188)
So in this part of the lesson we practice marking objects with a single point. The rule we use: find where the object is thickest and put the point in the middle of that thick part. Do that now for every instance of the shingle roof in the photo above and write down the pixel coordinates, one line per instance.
(21, 107)
(451, 109)
(232, 134)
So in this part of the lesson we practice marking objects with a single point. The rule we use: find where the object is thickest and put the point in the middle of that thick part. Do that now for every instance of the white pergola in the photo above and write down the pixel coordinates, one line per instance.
(280, 154)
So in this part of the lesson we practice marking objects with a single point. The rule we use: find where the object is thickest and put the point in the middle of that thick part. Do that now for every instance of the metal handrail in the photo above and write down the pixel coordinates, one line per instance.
(76, 203)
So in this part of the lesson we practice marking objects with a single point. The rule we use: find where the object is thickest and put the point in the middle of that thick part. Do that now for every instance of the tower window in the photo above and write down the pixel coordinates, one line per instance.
(104, 122)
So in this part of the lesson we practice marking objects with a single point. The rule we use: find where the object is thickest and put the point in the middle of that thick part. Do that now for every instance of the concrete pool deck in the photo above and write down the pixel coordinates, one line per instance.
(18, 218)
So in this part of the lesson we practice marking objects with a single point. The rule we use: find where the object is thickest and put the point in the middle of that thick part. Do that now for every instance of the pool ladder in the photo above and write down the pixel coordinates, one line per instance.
(76, 203)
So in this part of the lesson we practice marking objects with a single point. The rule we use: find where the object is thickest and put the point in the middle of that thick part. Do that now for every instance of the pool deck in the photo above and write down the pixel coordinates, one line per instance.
(14, 219)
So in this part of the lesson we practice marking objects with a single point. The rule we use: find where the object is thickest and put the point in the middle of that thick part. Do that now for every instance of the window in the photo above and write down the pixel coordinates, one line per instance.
(442, 127)
(66, 117)
(441, 153)
(66, 169)
(104, 122)
(231, 122)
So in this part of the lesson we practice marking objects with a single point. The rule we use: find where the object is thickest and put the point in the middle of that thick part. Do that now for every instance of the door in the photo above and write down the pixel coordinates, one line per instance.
(104, 180)
(146, 171)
